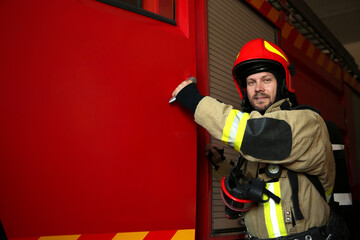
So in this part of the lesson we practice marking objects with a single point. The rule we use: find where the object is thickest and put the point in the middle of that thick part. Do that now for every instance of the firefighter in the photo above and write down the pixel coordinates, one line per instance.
(286, 172)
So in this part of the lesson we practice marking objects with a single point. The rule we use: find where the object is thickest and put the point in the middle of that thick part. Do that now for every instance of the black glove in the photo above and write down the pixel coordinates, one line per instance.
(189, 97)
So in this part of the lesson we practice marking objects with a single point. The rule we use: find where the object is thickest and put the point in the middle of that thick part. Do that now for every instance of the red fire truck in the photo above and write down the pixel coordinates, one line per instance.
(90, 146)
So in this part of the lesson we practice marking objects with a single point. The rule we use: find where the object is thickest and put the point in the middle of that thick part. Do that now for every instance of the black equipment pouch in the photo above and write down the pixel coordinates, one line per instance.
(336, 228)
(256, 189)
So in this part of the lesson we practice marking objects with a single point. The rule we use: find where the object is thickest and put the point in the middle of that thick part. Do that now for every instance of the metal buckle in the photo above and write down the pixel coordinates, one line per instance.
(329, 237)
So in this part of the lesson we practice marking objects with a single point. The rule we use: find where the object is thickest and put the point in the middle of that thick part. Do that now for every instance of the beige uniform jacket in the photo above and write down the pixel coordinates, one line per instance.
(298, 140)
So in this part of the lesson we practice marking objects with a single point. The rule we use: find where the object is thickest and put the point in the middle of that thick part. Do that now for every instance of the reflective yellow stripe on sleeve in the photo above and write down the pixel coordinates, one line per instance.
(328, 194)
(274, 218)
(234, 129)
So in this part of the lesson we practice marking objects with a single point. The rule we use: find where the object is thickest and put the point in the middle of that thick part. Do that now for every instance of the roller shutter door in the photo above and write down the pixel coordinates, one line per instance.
(231, 24)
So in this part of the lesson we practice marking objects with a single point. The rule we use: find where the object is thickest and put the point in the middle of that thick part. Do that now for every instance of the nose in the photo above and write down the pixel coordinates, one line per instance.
(259, 87)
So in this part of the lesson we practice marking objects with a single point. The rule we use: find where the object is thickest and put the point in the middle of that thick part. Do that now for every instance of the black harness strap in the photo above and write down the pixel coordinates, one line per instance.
(293, 179)
(294, 184)
(271, 195)
(317, 184)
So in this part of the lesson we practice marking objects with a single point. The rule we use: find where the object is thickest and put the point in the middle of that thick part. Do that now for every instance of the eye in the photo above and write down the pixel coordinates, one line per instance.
(250, 83)
(267, 80)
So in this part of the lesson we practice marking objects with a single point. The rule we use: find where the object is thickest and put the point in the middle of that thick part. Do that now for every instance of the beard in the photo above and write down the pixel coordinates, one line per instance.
(261, 108)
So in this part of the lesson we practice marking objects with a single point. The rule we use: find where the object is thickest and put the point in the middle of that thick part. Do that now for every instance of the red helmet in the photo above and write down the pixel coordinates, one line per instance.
(259, 55)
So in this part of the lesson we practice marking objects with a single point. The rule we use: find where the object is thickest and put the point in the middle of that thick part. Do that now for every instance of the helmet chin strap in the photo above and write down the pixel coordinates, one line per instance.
(282, 90)
(245, 103)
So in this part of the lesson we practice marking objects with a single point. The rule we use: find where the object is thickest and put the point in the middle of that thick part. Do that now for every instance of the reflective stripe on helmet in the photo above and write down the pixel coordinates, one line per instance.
(233, 132)
(274, 218)
(273, 50)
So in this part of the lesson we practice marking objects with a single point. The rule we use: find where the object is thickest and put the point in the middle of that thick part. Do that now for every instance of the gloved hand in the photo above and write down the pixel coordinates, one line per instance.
(187, 94)
(215, 153)
(182, 85)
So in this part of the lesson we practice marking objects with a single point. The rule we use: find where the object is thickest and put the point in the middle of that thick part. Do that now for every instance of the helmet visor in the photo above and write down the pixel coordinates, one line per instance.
(234, 203)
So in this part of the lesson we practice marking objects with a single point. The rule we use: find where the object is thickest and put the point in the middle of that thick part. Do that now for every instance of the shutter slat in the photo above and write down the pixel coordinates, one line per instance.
(231, 24)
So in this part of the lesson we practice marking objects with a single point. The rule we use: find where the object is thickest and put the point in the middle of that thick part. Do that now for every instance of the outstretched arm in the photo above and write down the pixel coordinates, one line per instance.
(280, 137)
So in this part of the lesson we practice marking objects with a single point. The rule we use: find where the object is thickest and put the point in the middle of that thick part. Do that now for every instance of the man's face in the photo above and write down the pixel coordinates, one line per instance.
(261, 90)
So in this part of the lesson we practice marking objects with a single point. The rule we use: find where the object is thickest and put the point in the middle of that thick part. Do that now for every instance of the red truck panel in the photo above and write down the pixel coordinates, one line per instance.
(89, 142)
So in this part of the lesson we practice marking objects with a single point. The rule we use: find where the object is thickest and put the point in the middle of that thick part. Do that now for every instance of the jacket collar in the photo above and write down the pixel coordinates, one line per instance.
(283, 104)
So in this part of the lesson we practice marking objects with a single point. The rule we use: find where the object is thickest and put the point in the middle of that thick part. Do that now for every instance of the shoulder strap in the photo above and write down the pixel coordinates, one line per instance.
(294, 184)
(317, 184)
(306, 107)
